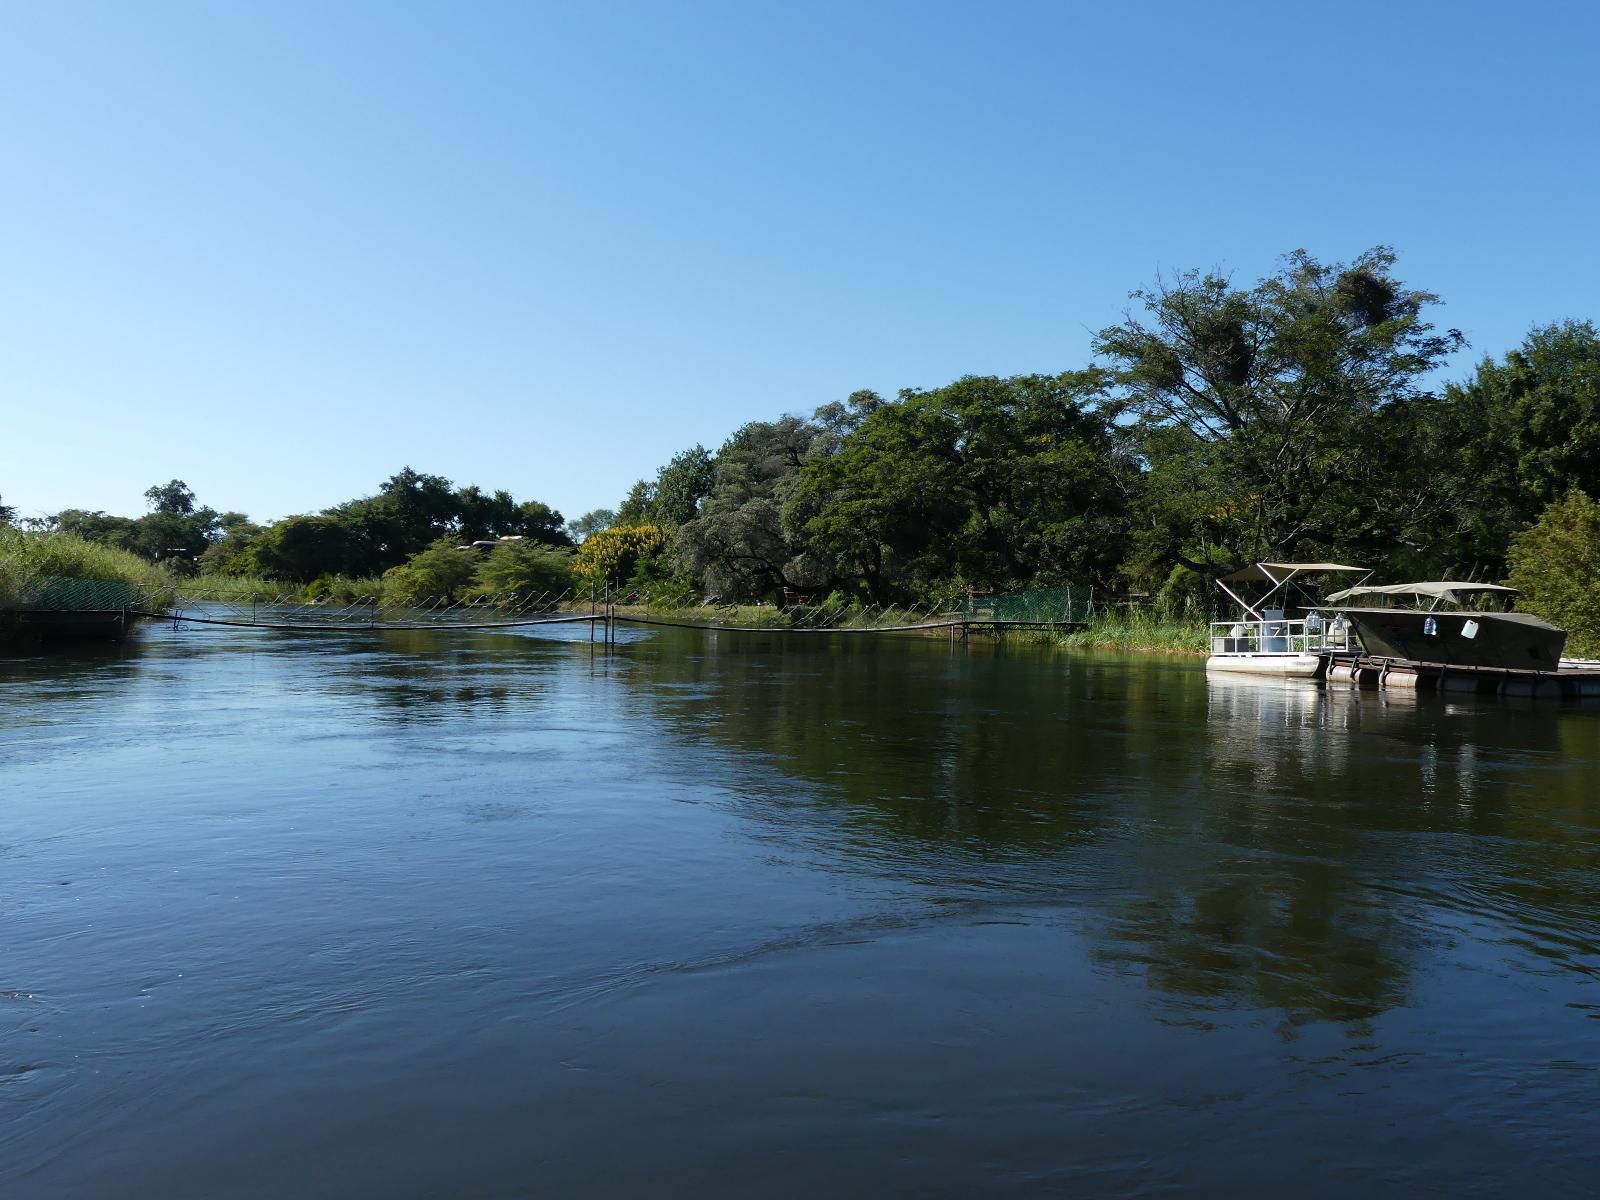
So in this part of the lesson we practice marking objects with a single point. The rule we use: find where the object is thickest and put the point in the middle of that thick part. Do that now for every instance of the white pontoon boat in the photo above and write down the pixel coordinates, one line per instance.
(1265, 639)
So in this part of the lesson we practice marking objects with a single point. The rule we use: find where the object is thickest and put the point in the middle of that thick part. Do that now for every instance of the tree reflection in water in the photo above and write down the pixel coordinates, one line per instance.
(1264, 843)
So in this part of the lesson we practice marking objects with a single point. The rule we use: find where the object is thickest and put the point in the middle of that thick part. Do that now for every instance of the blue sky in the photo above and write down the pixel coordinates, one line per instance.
(280, 251)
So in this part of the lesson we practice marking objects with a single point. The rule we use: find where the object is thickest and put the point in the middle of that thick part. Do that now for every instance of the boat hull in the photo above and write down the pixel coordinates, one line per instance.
(1282, 666)
(1504, 641)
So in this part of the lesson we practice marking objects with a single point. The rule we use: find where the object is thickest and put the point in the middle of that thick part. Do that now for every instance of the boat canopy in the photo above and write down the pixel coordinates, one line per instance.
(1281, 577)
(1444, 590)
(1274, 572)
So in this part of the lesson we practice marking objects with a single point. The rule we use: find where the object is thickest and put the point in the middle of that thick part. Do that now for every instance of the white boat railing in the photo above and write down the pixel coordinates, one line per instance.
(1311, 635)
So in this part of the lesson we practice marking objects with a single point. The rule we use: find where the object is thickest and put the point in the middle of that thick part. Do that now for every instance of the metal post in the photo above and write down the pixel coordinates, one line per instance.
(591, 612)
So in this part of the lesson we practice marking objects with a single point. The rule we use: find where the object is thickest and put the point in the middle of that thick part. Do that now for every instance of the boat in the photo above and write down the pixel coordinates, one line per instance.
(1452, 624)
(1267, 638)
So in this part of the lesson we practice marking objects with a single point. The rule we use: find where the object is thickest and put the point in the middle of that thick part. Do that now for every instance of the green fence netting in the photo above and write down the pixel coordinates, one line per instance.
(55, 594)
(1041, 604)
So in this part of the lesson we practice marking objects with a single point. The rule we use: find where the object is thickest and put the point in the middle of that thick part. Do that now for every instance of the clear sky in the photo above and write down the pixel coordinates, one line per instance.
(281, 250)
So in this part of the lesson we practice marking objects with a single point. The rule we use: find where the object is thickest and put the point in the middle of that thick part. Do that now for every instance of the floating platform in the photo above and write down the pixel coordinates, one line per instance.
(1364, 670)
(54, 624)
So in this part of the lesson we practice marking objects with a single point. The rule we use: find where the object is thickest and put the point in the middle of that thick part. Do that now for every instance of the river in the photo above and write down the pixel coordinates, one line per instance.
(491, 915)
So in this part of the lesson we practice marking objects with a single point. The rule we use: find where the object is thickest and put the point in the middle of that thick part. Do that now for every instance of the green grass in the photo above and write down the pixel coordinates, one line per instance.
(767, 615)
(1148, 633)
(24, 557)
(1128, 632)
(698, 614)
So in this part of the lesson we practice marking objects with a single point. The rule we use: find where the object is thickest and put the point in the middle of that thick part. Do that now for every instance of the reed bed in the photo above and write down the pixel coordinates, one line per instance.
(1144, 632)
(28, 557)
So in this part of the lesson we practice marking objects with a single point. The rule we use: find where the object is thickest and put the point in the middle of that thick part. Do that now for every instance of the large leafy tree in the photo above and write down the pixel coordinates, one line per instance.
(175, 498)
(745, 543)
(991, 483)
(680, 486)
(302, 549)
(177, 530)
(96, 526)
(1515, 437)
(480, 515)
(636, 506)
(1261, 410)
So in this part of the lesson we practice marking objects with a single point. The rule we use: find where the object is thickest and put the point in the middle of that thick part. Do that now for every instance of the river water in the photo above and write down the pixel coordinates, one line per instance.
(491, 915)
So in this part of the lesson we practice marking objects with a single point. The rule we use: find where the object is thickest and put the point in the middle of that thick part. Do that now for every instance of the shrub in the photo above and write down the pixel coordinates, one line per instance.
(341, 589)
(436, 574)
(612, 555)
(526, 569)
(1555, 563)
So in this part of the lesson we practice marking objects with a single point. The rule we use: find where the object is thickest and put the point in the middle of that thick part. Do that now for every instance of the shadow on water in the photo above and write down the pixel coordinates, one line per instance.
(1265, 843)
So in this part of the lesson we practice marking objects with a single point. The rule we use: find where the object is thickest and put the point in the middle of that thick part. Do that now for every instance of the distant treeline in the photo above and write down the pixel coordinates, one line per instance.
(1218, 425)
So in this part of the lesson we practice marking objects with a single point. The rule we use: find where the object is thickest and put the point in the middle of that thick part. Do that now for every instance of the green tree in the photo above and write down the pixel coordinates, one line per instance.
(177, 531)
(1266, 404)
(418, 508)
(227, 554)
(1516, 437)
(7, 513)
(525, 569)
(174, 497)
(480, 515)
(591, 522)
(437, 575)
(300, 548)
(680, 486)
(98, 527)
(1555, 563)
(636, 505)
(993, 483)
(745, 543)
(611, 556)
(539, 522)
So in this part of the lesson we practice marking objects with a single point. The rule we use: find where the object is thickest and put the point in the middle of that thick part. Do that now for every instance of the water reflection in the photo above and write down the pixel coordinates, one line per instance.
(1255, 842)
(710, 899)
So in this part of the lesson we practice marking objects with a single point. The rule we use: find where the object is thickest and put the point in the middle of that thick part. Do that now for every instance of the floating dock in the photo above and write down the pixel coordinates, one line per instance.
(1364, 670)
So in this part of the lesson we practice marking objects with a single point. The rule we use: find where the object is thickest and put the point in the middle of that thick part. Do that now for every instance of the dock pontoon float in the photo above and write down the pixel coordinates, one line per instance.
(1268, 638)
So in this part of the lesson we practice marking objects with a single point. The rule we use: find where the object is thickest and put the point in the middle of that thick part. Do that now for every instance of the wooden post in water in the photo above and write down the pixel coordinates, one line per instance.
(591, 612)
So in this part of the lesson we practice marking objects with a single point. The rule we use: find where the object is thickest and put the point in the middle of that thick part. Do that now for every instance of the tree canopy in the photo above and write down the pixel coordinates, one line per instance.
(1220, 423)
(1555, 562)
(1260, 408)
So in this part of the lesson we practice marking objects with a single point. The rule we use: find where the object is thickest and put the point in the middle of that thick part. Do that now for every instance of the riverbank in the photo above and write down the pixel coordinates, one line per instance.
(1132, 633)
(1126, 632)
(33, 564)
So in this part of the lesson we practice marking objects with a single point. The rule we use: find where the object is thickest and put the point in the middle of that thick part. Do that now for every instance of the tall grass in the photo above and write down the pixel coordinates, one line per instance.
(1149, 632)
(26, 557)
(830, 614)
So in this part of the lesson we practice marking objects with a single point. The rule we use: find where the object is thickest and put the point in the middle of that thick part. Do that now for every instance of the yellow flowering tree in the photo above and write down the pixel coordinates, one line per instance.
(611, 555)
